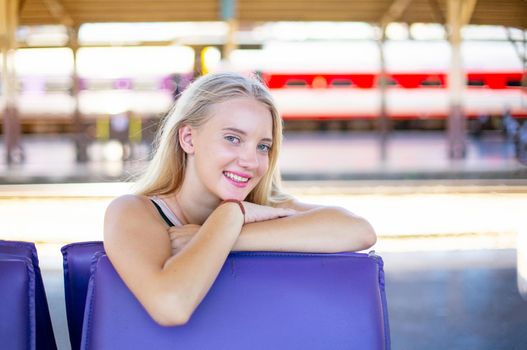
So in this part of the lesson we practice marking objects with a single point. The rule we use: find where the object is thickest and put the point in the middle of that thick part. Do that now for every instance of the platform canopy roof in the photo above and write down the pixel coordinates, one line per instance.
(511, 13)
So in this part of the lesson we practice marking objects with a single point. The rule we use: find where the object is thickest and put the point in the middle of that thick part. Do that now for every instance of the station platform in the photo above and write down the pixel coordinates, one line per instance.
(448, 231)
(306, 156)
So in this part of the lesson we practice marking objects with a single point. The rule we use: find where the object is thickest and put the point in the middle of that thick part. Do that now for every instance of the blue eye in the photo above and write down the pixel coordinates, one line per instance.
(264, 148)
(232, 139)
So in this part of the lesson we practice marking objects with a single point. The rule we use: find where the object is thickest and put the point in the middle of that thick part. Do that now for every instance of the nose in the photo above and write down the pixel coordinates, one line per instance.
(248, 158)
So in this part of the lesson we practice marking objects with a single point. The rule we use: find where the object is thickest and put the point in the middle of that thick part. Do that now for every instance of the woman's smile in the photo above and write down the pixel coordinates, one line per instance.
(237, 179)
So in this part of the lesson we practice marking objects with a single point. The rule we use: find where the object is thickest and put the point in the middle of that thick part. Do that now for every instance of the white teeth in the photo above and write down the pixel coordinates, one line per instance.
(236, 177)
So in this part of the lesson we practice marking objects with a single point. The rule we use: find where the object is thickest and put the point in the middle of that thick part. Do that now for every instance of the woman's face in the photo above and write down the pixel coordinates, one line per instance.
(231, 150)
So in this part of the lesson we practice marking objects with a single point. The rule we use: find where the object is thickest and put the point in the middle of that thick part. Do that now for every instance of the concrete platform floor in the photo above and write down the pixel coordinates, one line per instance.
(330, 155)
(455, 300)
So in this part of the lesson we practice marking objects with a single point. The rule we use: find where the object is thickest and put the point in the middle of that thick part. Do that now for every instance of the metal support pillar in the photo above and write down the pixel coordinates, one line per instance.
(457, 123)
(384, 120)
(230, 44)
(228, 14)
(522, 53)
(80, 138)
(9, 10)
(198, 71)
(393, 13)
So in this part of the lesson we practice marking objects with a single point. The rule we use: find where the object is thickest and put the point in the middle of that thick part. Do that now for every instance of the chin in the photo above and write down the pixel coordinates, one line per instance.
(231, 192)
(238, 195)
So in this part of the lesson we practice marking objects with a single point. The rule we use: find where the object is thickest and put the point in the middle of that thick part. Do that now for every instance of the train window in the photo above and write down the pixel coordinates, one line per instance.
(514, 82)
(431, 82)
(59, 84)
(146, 85)
(341, 83)
(99, 84)
(475, 82)
(389, 82)
(296, 83)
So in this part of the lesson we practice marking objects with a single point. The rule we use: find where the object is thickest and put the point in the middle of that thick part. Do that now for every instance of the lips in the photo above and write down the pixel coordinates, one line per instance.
(237, 179)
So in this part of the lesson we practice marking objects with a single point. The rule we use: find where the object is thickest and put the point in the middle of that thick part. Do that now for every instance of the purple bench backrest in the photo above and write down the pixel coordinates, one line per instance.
(260, 300)
(17, 316)
(43, 330)
(77, 259)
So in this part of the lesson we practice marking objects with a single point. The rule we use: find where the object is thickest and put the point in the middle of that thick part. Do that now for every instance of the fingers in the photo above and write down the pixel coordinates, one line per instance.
(181, 235)
(287, 212)
(281, 213)
(179, 242)
(255, 213)
(176, 231)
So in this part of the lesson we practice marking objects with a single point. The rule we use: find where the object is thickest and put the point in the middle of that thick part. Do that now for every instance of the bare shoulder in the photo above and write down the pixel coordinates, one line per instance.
(131, 208)
(131, 217)
(126, 203)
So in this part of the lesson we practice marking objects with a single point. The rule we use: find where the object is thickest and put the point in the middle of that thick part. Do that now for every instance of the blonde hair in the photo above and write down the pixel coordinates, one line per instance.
(166, 171)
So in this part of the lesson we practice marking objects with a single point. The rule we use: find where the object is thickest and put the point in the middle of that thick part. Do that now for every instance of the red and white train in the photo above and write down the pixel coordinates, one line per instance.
(339, 80)
(314, 80)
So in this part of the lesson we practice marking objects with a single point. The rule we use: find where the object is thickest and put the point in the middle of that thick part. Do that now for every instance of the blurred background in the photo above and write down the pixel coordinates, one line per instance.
(411, 113)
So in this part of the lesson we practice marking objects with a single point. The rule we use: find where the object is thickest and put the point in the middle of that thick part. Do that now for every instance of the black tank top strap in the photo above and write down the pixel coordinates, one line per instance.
(167, 220)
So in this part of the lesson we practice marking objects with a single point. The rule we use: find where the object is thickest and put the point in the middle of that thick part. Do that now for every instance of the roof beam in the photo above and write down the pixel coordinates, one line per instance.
(436, 10)
(395, 12)
(21, 6)
(467, 10)
(57, 10)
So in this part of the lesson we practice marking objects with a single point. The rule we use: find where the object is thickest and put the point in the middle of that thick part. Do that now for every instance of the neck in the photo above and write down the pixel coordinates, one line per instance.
(193, 206)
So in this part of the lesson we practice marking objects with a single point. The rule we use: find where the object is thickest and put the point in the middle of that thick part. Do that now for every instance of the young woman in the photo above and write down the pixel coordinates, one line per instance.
(212, 187)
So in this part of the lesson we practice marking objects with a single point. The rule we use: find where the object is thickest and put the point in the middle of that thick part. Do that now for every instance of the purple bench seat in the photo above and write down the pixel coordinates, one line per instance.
(77, 260)
(260, 300)
(25, 322)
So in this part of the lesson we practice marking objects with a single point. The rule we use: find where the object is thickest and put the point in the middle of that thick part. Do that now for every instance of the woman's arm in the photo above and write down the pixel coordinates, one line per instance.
(313, 229)
(169, 287)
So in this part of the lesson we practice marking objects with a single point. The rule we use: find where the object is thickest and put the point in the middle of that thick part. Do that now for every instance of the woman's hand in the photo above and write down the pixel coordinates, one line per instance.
(181, 235)
(255, 212)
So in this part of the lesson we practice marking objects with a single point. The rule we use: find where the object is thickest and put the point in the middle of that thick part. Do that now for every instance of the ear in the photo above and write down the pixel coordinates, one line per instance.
(185, 134)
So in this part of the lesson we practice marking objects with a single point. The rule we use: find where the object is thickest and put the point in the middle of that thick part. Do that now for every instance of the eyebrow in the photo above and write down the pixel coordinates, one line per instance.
(245, 134)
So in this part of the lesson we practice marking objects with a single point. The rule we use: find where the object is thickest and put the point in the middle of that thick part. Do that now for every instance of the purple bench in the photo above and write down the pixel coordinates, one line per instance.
(260, 300)
(77, 260)
(25, 322)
